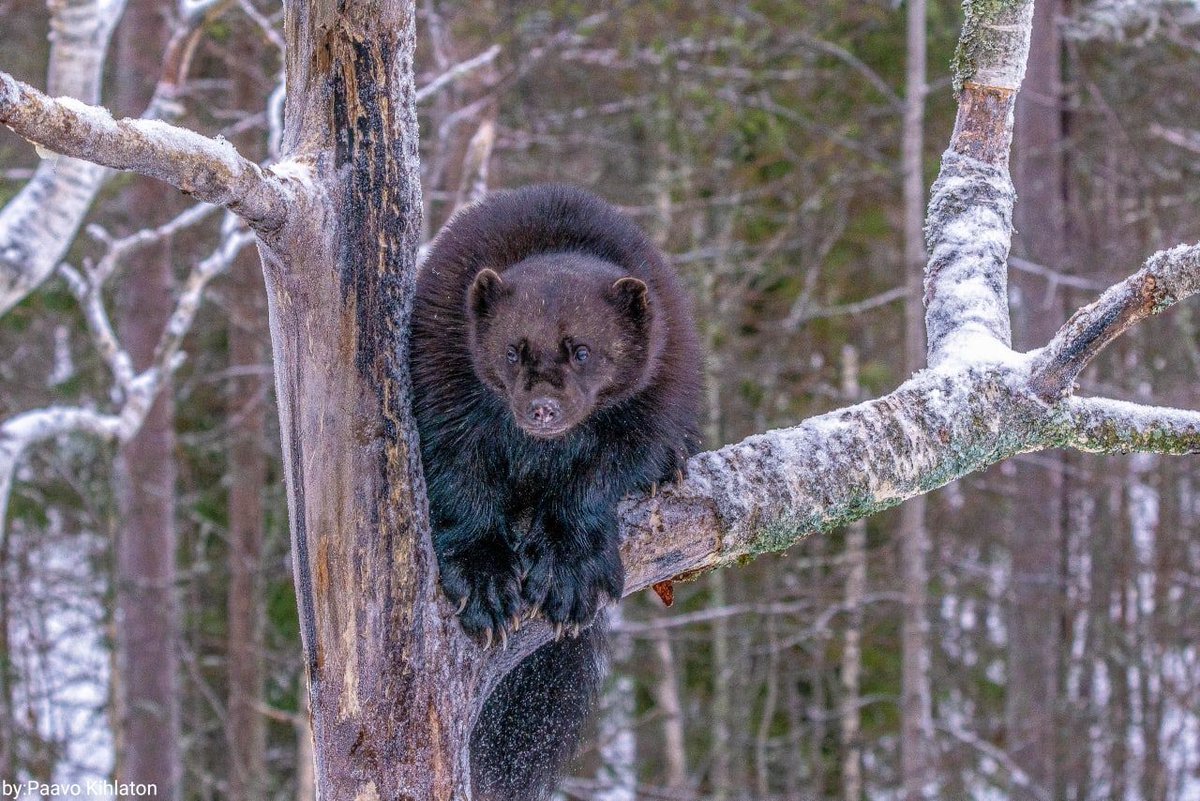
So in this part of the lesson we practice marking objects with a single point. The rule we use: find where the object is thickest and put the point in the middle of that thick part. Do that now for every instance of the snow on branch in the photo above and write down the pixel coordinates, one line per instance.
(772, 489)
(136, 391)
(210, 169)
(969, 225)
(32, 242)
(969, 232)
(993, 44)
(1100, 425)
(1168, 277)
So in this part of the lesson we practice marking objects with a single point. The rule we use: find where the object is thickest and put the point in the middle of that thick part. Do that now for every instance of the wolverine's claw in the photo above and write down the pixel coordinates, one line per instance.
(461, 605)
(558, 631)
(678, 475)
(487, 638)
(515, 622)
(503, 639)
(654, 489)
(533, 612)
(575, 632)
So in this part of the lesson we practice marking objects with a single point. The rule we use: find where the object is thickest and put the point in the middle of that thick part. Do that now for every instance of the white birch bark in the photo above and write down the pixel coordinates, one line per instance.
(39, 223)
(916, 706)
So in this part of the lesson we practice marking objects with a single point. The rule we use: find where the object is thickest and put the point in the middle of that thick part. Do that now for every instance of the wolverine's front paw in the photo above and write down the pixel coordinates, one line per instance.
(485, 588)
(568, 590)
(676, 469)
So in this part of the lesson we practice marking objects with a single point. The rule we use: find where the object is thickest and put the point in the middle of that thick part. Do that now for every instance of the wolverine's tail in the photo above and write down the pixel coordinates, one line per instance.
(530, 725)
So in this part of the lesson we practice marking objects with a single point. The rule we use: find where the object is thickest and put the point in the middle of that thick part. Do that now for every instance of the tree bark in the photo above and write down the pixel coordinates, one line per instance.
(393, 682)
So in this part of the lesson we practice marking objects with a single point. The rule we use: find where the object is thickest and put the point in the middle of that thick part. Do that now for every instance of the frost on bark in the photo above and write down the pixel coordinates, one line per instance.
(394, 684)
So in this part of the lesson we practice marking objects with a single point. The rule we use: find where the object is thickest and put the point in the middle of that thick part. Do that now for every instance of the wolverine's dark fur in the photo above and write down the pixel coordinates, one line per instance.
(556, 369)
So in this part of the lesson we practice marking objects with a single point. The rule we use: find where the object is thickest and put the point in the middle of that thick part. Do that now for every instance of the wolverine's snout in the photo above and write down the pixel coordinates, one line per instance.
(544, 412)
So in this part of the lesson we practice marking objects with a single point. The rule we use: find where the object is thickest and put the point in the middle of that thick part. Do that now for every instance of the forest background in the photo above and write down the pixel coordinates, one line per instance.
(1040, 639)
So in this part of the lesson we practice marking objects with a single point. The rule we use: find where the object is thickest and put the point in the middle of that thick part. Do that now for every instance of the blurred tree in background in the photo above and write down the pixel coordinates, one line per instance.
(761, 145)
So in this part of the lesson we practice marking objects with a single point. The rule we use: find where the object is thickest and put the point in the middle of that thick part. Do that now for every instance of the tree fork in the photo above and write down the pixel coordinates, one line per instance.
(391, 676)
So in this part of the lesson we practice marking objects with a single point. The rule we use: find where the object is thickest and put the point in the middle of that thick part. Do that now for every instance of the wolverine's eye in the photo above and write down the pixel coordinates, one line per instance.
(582, 353)
(512, 355)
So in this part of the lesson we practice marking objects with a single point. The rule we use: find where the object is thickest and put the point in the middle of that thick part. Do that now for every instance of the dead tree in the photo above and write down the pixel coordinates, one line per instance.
(394, 683)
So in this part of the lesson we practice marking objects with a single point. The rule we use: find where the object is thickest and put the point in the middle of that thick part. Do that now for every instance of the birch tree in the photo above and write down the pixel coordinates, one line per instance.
(394, 684)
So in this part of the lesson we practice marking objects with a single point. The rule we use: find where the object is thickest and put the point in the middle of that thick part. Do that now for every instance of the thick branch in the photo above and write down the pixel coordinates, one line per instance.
(993, 44)
(969, 231)
(773, 489)
(210, 169)
(1168, 277)
(969, 227)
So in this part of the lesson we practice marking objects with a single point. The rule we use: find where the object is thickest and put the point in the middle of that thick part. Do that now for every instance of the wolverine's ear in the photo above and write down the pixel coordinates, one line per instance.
(486, 289)
(632, 297)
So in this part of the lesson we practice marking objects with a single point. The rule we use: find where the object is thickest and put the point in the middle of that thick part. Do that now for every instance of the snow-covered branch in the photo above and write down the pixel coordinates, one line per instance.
(136, 391)
(969, 231)
(210, 169)
(1168, 277)
(33, 242)
(1100, 425)
(969, 227)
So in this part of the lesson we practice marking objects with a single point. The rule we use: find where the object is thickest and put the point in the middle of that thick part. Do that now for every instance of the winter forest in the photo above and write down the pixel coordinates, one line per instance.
(978, 578)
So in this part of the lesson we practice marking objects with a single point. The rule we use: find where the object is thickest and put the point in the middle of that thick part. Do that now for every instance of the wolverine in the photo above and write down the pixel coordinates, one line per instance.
(556, 368)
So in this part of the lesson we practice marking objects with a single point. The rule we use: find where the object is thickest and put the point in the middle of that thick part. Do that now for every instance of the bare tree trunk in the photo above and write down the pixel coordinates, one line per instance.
(394, 684)
(1036, 533)
(147, 616)
(670, 705)
(916, 722)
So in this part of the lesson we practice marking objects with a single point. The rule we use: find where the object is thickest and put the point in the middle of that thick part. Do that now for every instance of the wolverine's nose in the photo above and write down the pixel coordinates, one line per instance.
(544, 411)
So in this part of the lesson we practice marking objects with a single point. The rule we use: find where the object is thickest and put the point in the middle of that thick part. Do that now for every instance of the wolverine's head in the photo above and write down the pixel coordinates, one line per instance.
(559, 337)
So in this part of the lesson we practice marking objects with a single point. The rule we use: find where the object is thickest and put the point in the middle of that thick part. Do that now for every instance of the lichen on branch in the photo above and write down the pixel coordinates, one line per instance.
(991, 47)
